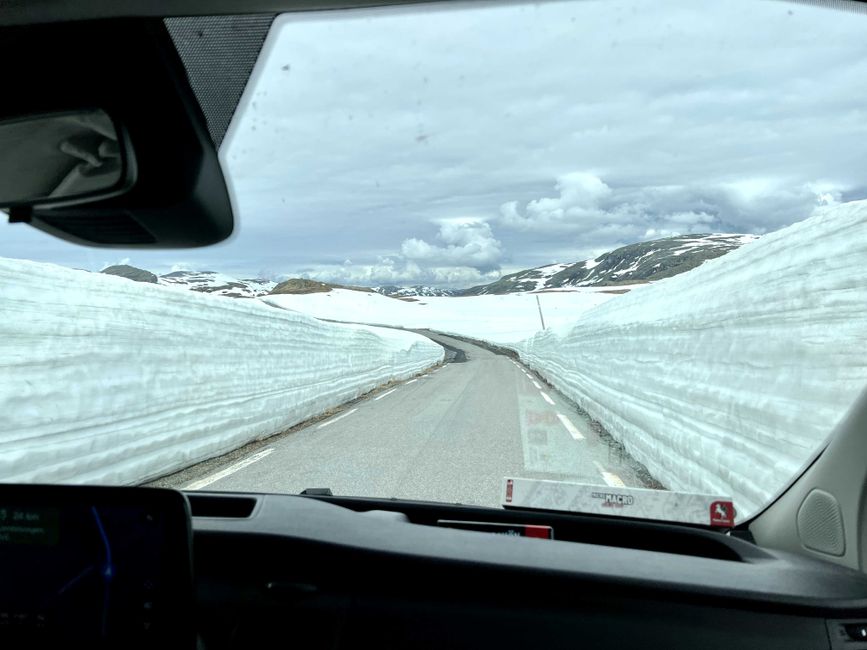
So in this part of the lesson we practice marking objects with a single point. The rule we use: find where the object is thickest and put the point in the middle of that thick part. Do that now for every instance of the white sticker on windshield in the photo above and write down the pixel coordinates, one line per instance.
(659, 505)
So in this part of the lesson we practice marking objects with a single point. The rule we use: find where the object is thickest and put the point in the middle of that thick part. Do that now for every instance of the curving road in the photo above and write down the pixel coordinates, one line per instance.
(448, 435)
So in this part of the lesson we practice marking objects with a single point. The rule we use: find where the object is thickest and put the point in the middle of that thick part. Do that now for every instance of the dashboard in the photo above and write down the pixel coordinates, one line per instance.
(155, 568)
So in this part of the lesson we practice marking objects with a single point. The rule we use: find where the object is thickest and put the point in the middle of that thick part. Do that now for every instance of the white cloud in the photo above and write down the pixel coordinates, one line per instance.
(579, 190)
(595, 213)
(121, 262)
(396, 271)
(578, 203)
(691, 220)
(465, 253)
(660, 233)
(465, 242)
(738, 116)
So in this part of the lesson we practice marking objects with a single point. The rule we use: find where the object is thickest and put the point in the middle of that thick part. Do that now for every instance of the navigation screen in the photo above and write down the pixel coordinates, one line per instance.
(85, 567)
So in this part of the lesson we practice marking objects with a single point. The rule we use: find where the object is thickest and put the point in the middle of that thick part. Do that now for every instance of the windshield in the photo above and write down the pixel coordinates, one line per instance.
(613, 243)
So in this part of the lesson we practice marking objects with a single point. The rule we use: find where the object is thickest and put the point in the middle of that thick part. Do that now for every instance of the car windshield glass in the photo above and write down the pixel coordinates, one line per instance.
(613, 243)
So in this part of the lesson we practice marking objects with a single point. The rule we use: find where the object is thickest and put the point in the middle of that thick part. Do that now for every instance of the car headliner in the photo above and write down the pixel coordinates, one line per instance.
(24, 12)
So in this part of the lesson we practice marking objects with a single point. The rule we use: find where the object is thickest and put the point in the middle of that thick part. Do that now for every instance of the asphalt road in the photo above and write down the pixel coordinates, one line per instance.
(448, 435)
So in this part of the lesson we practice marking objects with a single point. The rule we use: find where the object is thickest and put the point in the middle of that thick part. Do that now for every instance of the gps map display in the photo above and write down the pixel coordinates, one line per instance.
(92, 570)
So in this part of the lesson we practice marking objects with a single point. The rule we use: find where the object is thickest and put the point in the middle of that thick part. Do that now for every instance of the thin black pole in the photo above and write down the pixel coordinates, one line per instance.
(539, 304)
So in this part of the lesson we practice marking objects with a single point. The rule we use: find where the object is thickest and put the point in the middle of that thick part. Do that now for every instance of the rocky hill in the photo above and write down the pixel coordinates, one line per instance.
(303, 285)
(632, 264)
(131, 273)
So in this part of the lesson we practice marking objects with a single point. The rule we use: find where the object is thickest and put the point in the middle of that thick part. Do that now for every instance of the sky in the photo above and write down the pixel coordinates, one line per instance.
(448, 146)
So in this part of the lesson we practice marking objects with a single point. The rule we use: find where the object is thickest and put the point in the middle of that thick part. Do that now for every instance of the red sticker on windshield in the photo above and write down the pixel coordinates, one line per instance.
(722, 513)
(510, 485)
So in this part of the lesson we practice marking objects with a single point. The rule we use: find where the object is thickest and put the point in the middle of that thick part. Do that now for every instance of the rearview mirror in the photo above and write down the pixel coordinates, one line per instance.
(62, 158)
(122, 83)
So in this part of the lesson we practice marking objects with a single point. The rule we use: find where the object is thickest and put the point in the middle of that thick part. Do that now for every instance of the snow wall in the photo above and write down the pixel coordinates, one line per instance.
(728, 378)
(106, 380)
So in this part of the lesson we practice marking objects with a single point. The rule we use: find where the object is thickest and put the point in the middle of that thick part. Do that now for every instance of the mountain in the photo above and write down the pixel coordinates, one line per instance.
(520, 282)
(131, 273)
(303, 285)
(418, 290)
(632, 264)
(217, 283)
(221, 284)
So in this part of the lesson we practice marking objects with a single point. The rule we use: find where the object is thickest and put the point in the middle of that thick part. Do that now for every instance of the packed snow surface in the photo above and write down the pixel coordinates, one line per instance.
(726, 379)
(104, 380)
(218, 284)
(497, 318)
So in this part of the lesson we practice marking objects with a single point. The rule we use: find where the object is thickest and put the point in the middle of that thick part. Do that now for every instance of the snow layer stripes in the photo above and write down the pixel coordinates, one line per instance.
(105, 380)
(727, 378)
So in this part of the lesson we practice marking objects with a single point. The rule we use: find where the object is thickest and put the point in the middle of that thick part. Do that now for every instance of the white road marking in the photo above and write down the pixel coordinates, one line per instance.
(231, 469)
(412, 381)
(376, 399)
(546, 398)
(611, 479)
(339, 417)
(536, 384)
(571, 428)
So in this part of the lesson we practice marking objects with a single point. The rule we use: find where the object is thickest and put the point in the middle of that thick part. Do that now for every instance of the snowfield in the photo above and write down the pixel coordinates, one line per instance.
(499, 318)
(105, 380)
(726, 379)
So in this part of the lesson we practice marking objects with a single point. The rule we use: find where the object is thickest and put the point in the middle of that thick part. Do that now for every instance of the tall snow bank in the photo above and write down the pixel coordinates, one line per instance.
(727, 378)
(104, 380)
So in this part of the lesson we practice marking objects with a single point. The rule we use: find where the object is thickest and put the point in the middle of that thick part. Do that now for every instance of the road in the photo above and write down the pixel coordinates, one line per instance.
(448, 435)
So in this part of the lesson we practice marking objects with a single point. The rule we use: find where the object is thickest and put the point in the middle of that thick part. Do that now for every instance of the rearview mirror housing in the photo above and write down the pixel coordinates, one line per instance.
(63, 158)
(170, 193)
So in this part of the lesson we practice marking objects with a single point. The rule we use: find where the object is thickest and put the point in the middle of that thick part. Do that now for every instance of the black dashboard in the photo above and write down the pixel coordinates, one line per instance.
(218, 570)
(330, 572)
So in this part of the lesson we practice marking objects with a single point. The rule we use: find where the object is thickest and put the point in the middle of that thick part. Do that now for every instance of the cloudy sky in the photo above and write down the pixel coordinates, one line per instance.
(450, 146)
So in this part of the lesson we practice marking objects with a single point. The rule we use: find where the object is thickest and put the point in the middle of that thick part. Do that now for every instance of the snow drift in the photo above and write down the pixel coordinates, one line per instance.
(104, 380)
(726, 379)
